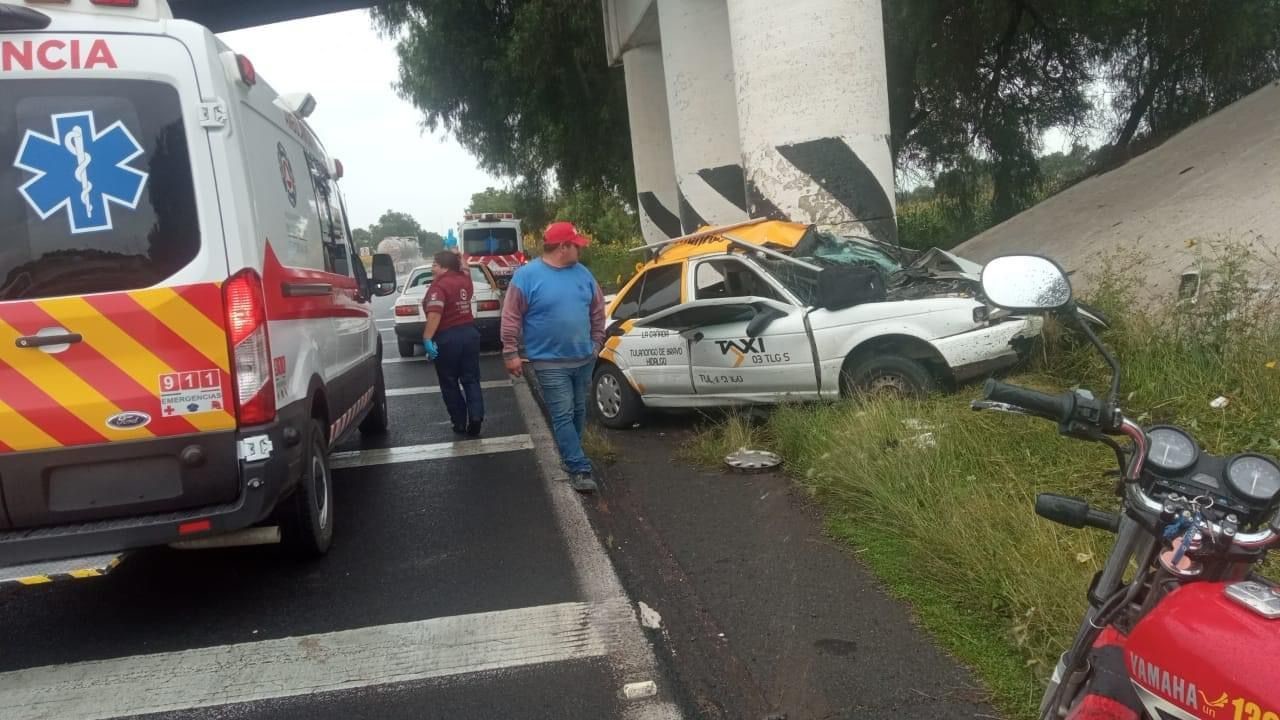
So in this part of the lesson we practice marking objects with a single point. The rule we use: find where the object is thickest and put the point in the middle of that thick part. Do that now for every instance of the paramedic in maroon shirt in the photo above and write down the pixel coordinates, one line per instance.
(453, 342)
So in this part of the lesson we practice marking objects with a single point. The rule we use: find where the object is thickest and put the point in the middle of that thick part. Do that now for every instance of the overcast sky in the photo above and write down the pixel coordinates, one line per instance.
(390, 163)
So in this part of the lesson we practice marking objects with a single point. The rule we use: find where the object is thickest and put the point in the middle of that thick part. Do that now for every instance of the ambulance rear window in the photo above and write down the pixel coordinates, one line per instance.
(96, 192)
(490, 241)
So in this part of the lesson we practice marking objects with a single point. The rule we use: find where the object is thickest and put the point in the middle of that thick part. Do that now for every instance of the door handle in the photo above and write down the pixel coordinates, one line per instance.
(37, 341)
(317, 289)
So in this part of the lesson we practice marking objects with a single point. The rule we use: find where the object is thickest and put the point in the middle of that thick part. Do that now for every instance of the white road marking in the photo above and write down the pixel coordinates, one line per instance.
(434, 451)
(630, 654)
(325, 662)
(435, 389)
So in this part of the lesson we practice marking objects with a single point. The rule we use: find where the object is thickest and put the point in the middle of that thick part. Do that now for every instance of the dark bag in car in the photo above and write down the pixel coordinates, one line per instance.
(843, 286)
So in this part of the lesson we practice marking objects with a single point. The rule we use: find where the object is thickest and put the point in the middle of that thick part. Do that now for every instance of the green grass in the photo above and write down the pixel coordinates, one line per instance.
(950, 527)
(597, 445)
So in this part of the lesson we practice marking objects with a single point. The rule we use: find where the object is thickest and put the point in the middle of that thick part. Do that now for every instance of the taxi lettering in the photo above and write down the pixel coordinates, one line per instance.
(55, 54)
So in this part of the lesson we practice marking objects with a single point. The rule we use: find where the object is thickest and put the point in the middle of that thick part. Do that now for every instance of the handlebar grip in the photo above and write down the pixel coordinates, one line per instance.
(1054, 407)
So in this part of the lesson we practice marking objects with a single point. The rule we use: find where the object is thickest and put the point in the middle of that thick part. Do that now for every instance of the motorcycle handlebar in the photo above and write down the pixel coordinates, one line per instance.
(1062, 409)
(1058, 408)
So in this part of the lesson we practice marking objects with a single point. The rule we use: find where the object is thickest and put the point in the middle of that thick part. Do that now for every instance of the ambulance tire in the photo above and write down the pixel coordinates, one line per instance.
(613, 401)
(886, 375)
(379, 418)
(306, 523)
(407, 349)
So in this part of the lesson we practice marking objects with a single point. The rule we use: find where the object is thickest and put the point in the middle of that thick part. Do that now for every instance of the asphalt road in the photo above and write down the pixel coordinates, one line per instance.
(464, 582)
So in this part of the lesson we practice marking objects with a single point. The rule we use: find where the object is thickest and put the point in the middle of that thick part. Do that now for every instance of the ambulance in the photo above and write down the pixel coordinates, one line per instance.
(493, 240)
(186, 328)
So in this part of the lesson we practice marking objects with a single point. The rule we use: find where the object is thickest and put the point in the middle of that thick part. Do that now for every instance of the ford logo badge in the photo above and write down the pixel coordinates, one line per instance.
(128, 420)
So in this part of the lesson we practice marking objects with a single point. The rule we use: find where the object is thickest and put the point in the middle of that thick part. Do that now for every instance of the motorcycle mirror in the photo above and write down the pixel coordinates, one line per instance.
(1026, 283)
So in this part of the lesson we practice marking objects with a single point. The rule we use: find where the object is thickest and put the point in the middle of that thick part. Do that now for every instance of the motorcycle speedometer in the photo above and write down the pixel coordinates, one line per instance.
(1254, 477)
(1172, 450)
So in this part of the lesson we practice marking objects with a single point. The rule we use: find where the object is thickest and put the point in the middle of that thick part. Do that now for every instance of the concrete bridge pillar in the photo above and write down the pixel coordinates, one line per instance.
(651, 143)
(701, 100)
(813, 112)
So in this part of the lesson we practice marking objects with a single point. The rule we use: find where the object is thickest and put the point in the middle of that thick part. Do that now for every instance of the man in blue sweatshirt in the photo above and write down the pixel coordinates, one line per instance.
(557, 306)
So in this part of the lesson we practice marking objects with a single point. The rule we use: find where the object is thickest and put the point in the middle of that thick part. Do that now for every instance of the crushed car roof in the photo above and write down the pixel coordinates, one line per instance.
(775, 234)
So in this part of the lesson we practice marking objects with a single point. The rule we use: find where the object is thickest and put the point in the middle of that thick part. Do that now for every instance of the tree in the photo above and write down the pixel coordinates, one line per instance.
(528, 204)
(431, 243)
(395, 224)
(522, 84)
(1172, 62)
(362, 238)
(604, 216)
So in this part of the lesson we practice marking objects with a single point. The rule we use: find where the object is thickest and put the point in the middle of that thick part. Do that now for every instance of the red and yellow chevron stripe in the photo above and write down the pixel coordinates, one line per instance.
(134, 346)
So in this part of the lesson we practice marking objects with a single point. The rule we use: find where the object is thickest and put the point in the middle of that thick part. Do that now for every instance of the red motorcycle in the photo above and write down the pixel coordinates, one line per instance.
(1179, 624)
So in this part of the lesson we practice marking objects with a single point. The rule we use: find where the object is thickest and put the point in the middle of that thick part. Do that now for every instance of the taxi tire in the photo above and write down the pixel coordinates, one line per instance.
(379, 417)
(307, 530)
(406, 348)
(861, 375)
(630, 406)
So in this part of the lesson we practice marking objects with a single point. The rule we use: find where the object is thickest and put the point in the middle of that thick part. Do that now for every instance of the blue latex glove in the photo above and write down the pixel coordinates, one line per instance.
(433, 350)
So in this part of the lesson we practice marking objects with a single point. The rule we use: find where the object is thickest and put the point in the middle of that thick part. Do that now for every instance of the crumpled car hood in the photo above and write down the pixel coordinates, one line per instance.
(942, 265)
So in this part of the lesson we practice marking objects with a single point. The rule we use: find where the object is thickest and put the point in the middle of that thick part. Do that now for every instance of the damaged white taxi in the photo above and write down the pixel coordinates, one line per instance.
(768, 311)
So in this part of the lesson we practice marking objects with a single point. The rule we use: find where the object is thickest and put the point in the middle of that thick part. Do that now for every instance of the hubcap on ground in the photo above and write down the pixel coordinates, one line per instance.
(608, 396)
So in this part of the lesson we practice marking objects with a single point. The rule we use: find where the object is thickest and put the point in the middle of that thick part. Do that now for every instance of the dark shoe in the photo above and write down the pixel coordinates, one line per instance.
(473, 428)
(459, 430)
(582, 482)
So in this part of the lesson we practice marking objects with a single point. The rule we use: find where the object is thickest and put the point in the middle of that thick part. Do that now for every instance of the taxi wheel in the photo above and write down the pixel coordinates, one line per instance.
(307, 522)
(885, 376)
(406, 348)
(615, 404)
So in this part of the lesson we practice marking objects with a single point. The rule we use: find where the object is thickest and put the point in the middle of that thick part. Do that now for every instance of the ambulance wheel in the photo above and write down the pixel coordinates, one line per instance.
(885, 376)
(406, 348)
(307, 521)
(613, 400)
(378, 419)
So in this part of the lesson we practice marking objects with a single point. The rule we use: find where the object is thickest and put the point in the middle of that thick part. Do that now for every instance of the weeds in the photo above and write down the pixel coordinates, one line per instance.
(597, 445)
(950, 527)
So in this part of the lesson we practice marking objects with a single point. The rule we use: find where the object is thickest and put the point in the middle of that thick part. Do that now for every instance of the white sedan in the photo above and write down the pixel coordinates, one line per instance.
(410, 320)
(769, 311)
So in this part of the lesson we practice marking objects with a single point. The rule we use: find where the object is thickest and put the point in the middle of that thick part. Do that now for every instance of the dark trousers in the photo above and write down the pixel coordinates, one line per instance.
(458, 368)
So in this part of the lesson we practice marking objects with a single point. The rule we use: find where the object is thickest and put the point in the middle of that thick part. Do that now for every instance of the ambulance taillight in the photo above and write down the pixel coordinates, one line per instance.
(250, 349)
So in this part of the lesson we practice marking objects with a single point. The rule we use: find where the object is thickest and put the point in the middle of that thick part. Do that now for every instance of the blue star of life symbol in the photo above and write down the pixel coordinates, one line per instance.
(81, 170)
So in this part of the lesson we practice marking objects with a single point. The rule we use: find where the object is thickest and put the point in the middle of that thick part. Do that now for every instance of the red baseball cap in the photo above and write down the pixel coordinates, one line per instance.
(560, 233)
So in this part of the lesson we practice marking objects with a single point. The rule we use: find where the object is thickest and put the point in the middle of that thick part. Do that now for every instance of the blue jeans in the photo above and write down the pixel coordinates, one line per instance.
(565, 391)
(458, 368)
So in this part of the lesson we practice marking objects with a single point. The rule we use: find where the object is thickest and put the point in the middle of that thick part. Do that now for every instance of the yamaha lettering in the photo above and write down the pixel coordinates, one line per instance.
(1164, 682)
(55, 54)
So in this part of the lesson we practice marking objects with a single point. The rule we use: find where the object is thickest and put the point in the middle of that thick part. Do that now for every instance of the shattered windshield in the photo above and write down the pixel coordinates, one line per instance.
(846, 251)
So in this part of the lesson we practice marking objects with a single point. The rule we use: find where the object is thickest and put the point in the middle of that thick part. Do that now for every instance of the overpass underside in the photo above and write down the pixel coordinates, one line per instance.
(224, 15)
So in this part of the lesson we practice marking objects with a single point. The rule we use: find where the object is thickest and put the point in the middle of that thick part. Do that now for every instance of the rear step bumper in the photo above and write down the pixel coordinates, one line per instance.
(261, 485)
(50, 571)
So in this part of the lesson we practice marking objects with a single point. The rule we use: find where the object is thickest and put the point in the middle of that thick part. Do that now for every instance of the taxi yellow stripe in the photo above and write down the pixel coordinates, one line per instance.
(67, 389)
(21, 434)
(187, 322)
(111, 342)
(86, 573)
(35, 580)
